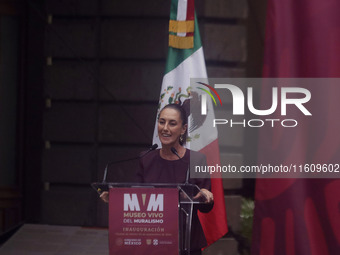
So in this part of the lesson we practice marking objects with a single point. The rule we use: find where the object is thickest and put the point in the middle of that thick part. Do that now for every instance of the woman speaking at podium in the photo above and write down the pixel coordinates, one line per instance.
(170, 165)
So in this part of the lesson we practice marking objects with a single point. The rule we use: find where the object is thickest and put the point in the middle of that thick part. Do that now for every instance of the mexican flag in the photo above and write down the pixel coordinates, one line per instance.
(186, 60)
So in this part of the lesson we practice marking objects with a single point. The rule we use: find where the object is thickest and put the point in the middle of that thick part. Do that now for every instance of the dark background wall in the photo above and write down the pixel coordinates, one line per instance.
(86, 93)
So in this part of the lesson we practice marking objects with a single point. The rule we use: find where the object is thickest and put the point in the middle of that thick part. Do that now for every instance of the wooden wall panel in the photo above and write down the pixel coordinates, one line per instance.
(119, 172)
(222, 71)
(131, 8)
(72, 7)
(234, 159)
(68, 206)
(134, 38)
(115, 125)
(71, 38)
(134, 81)
(225, 9)
(223, 42)
(233, 208)
(230, 136)
(69, 164)
(70, 122)
(70, 80)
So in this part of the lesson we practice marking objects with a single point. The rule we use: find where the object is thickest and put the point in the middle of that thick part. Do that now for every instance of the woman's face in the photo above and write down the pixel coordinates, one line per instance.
(170, 127)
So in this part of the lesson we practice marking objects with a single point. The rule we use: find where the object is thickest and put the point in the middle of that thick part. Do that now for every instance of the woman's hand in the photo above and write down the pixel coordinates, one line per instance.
(105, 196)
(207, 194)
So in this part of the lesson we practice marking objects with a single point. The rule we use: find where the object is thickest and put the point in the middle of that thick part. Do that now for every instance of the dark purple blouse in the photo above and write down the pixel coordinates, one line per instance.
(154, 169)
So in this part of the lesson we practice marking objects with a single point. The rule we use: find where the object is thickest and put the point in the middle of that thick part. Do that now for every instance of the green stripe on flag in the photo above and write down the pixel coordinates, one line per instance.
(173, 9)
(177, 56)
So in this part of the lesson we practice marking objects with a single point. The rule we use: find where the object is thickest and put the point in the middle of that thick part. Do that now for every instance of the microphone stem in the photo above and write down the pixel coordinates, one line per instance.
(174, 151)
(153, 147)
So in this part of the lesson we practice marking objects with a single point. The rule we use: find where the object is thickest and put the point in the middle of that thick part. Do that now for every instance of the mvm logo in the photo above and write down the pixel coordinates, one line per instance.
(155, 203)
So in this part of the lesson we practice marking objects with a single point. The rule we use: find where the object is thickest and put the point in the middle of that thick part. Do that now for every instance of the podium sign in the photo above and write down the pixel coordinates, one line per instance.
(143, 221)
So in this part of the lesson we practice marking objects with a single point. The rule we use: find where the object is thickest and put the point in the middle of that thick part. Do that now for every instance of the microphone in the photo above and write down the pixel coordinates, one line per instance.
(174, 151)
(152, 148)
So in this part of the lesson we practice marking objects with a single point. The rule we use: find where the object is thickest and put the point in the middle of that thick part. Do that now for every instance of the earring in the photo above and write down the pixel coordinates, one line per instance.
(181, 139)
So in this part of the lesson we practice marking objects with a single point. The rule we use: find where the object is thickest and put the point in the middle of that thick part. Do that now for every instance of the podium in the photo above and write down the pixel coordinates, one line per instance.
(137, 209)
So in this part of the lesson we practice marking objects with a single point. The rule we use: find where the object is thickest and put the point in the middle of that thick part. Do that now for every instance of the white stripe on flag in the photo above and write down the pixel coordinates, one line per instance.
(192, 67)
(182, 13)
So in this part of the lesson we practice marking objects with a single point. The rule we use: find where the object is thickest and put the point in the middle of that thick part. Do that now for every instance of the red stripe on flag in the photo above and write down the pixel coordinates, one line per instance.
(191, 10)
(214, 223)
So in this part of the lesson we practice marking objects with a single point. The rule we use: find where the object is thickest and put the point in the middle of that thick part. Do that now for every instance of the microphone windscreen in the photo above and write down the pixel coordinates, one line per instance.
(154, 147)
(173, 150)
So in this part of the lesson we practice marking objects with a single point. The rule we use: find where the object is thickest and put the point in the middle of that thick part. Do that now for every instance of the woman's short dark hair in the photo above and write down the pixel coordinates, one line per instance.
(183, 116)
